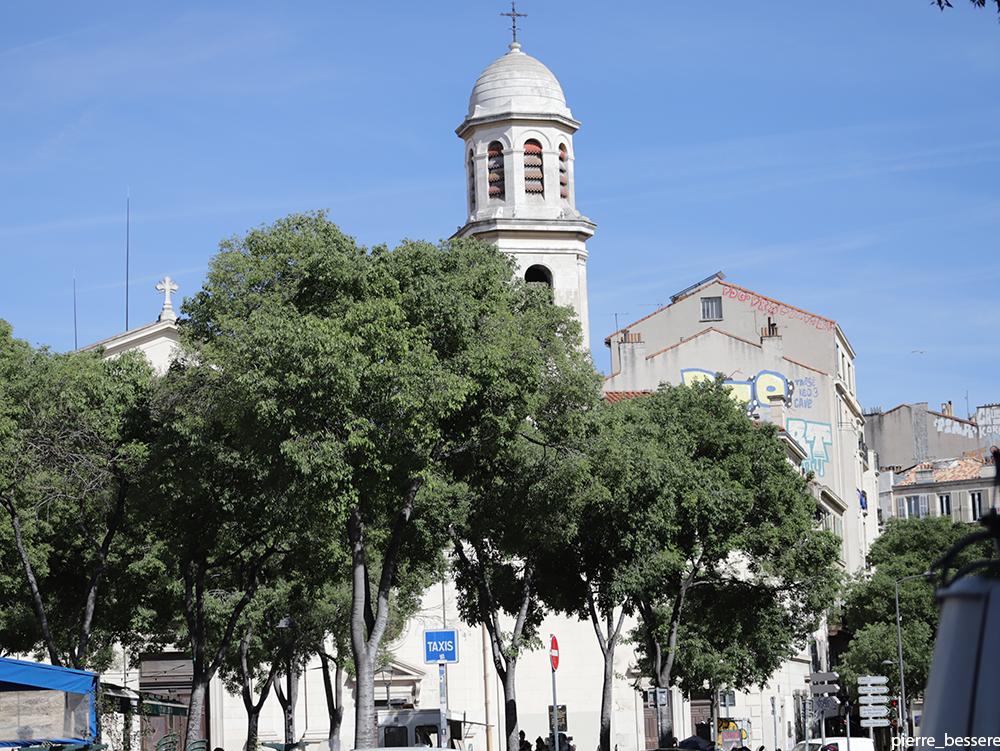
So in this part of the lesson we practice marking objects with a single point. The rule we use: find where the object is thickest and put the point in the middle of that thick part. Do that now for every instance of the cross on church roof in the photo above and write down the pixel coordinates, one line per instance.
(166, 287)
(514, 15)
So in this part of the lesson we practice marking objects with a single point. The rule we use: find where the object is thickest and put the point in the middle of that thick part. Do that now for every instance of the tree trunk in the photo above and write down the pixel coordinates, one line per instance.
(504, 660)
(334, 694)
(196, 710)
(365, 731)
(607, 643)
(288, 697)
(253, 723)
(252, 707)
(510, 707)
(195, 572)
(29, 574)
(368, 623)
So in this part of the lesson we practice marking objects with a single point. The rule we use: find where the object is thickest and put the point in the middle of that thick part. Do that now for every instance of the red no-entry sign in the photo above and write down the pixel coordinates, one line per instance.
(554, 653)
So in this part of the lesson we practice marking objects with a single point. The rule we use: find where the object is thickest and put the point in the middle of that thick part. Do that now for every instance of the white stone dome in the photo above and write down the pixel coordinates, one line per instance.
(517, 84)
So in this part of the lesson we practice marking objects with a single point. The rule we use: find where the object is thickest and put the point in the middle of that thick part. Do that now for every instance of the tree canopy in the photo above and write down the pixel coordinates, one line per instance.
(369, 372)
(73, 442)
(728, 571)
(908, 547)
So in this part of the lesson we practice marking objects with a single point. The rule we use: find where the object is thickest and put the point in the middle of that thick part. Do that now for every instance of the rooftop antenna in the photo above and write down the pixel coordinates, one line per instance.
(616, 319)
(127, 200)
(76, 344)
(514, 15)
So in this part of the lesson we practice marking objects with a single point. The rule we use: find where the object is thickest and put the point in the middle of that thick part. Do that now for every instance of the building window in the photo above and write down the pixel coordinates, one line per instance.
(472, 181)
(495, 166)
(900, 508)
(711, 308)
(916, 506)
(563, 172)
(944, 505)
(976, 502)
(534, 181)
(396, 735)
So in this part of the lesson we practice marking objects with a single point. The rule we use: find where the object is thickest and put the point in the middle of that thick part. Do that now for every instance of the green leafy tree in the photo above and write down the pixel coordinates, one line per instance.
(908, 547)
(72, 446)
(517, 497)
(730, 573)
(226, 506)
(608, 541)
(251, 668)
(511, 540)
(373, 370)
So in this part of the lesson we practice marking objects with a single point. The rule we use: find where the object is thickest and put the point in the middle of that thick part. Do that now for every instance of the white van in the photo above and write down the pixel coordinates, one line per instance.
(836, 743)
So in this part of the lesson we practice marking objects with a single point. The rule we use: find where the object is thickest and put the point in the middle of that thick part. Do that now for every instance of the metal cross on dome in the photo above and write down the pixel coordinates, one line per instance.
(514, 15)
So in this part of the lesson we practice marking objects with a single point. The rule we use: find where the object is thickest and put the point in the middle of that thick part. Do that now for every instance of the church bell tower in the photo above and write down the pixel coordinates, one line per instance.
(519, 169)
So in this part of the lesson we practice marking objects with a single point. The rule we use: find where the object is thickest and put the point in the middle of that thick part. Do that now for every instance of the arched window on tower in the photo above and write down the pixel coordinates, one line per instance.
(534, 183)
(472, 181)
(563, 172)
(538, 275)
(495, 166)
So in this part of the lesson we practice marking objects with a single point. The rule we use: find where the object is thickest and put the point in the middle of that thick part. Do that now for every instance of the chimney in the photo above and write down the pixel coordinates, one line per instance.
(777, 406)
(631, 354)
(770, 340)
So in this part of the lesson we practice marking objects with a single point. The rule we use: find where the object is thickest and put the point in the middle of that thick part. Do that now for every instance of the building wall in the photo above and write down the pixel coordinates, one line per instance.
(807, 338)
(804, 362)
(911, 433)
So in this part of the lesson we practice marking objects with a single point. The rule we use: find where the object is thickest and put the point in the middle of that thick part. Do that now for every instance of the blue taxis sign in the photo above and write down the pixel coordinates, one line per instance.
(441, 646)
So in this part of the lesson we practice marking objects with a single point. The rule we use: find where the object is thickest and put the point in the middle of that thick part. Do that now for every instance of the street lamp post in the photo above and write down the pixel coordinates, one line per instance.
(899, 641)
(388, 671)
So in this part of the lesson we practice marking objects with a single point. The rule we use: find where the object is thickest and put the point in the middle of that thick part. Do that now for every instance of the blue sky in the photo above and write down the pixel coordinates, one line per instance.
(840, 157)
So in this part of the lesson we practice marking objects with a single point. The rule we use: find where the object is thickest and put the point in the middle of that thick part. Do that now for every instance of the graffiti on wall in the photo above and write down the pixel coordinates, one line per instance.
(816, 438)
(756, 391)
(806, 391)
(957, 427)
(802, 393)
(988, 419)
(775, 308)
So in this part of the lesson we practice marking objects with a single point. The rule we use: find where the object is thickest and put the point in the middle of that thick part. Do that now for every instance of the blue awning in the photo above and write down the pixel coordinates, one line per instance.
(43, 703)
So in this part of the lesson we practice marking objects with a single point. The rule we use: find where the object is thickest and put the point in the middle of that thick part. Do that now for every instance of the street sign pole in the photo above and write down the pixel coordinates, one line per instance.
(554, 660)
(820, 685)
(873, 709)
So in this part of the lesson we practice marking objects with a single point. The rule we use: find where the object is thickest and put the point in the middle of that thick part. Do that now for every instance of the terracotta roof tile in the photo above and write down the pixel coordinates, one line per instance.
(947, 470)
(617, 396)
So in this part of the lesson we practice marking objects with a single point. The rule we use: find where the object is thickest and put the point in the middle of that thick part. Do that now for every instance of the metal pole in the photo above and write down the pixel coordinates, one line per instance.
(774, 716)
(555, 706)
(902, 681)
(486, 691)
(806, 702)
